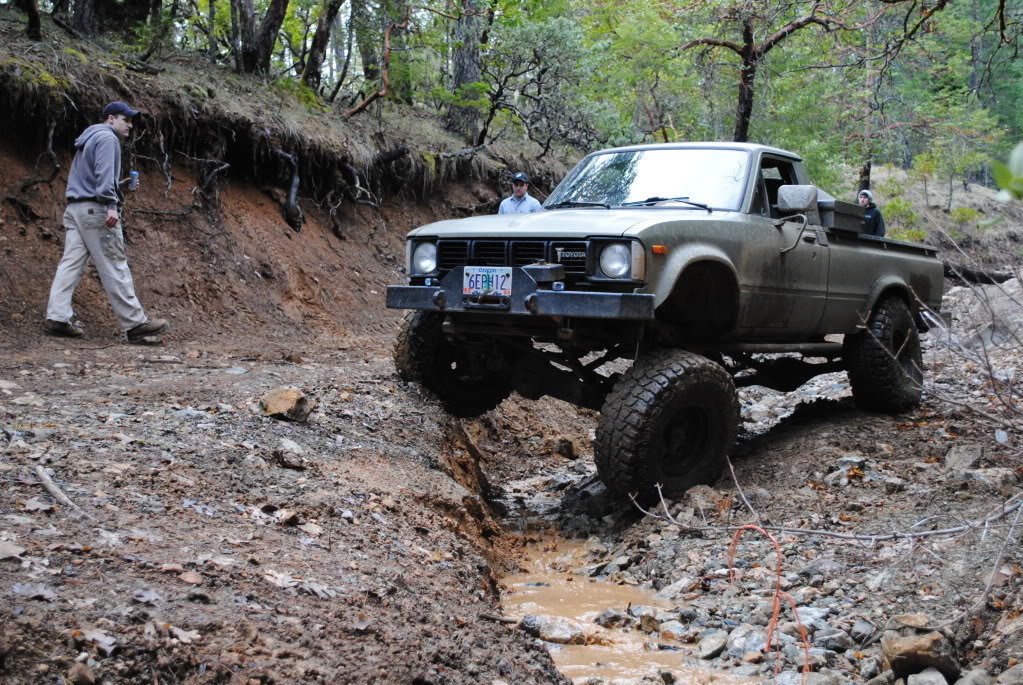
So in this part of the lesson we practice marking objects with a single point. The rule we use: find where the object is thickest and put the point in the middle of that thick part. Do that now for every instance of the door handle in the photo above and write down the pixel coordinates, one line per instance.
(809, 238)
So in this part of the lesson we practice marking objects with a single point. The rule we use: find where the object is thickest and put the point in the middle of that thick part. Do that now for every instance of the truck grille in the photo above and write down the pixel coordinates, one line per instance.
(453, 253)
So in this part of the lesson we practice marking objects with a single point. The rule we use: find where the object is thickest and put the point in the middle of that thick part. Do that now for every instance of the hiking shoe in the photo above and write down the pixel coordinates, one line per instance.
(66, 329)
(151, 327)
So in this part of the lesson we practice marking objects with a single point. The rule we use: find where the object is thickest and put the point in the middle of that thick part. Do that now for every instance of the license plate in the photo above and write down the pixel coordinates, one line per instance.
(487, 280)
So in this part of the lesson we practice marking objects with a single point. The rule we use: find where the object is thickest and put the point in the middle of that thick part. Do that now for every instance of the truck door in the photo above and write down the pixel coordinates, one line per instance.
(786, 267)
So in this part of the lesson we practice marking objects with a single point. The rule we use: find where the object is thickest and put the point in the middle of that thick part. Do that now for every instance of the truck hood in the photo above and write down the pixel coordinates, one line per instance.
(557, 223)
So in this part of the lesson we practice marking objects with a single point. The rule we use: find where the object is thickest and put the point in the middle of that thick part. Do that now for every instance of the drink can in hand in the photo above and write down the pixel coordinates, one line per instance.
(134, 182)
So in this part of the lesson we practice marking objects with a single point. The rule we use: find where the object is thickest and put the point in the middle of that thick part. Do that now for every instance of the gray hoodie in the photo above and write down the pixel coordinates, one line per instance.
(96, 167)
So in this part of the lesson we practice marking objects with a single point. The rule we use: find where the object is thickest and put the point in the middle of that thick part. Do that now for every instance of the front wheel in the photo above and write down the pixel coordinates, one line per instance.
(670, 420)
(458, 377)
(884, 362)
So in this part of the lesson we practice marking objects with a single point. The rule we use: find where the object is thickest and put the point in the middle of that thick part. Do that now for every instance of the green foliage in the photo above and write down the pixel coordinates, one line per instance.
(965, 216)
(300, 92)
(1010, 177)
(891, 187)
(912, 235)
(899, 214)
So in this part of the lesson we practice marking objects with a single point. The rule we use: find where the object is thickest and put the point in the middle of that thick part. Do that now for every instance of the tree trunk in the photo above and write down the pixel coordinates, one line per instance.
(236, 41)
(213, 30)
(267, 36)
(368, 38)
(35, 24)
(318, 51)
(247, 35)
(348, 52)
(84, 18)
(747, 77)
(466, 67)
(864, 182)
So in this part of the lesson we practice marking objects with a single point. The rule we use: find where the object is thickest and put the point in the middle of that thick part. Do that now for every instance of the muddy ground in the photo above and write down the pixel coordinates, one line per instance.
(367, 544)
(209, 543)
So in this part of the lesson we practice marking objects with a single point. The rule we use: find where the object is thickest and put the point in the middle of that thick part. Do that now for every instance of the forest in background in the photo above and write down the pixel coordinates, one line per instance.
(932, 87)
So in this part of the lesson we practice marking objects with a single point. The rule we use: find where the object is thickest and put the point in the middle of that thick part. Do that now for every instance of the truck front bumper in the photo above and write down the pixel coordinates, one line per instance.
(527, 298)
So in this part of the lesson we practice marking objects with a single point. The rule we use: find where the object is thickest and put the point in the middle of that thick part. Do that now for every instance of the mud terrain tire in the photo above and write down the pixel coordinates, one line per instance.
(423, 355)
(884, 362)
(670, 419)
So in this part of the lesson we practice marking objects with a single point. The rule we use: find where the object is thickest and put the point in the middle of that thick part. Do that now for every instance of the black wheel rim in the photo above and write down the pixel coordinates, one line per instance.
(683, 440)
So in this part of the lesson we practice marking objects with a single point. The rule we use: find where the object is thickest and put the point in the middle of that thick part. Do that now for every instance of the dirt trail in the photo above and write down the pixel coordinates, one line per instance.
(368, 544)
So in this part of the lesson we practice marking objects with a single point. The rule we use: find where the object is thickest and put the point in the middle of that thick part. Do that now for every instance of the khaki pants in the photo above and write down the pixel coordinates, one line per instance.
(86, 235)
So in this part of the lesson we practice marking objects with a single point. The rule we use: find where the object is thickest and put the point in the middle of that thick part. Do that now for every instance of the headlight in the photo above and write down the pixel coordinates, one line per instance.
(424, 259)
(615, 260)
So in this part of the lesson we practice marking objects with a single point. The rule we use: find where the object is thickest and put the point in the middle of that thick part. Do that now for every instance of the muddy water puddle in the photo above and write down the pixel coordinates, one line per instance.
(549, 588)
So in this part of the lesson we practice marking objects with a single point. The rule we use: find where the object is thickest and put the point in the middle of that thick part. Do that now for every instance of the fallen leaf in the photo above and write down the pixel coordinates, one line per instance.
(172, 568)
(311, 528)
(185, 636)
(34, 591)
(103, 642)
(150, 597)
(36, 504)
(191, 577)
(9, 551)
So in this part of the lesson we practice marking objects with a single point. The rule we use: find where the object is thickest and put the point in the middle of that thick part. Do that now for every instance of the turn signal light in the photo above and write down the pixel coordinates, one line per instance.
(659, 249)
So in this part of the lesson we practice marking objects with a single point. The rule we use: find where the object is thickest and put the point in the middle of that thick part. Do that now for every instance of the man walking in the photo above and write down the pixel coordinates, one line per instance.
(92, 227)
(873, 222)
(520, 202)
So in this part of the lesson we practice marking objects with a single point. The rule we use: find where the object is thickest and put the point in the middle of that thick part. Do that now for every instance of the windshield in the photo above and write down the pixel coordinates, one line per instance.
(665, 176)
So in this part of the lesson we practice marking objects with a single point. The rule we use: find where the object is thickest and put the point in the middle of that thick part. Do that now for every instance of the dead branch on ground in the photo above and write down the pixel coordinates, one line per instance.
(1007, 507)
(57, 493)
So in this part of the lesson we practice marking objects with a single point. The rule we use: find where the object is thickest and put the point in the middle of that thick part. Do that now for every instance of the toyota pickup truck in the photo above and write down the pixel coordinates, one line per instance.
(659, 279)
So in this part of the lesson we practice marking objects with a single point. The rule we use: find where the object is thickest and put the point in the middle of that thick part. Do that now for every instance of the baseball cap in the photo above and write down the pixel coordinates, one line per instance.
(119, 108)
(520, 176)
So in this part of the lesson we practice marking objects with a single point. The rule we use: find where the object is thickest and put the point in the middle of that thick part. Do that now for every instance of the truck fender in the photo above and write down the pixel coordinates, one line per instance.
(889, 285)
(680, 259)
(701, 292)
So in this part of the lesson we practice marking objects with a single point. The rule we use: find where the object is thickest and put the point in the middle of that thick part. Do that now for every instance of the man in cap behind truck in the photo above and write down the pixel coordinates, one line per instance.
(92, 226)
(873, 222)
(520, 202)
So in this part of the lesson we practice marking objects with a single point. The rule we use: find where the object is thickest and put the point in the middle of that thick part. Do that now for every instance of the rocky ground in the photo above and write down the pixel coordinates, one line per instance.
(206, 541)
(853, 505)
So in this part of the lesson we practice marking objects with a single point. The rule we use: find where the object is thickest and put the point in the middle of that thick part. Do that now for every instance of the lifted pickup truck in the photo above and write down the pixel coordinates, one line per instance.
(710, 266)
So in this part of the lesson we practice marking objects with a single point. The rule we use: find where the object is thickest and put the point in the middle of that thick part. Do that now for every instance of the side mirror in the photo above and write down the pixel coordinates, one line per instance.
(799, 200)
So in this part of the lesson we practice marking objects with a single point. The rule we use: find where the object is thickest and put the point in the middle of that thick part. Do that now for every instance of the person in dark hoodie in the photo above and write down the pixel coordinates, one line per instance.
(873, 222)
(92, 227)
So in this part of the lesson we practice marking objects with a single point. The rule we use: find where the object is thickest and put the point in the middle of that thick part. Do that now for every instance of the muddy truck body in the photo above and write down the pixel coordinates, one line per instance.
(710, 266)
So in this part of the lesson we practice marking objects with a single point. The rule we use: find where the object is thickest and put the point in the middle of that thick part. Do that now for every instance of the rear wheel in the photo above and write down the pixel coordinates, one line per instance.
(669, 420)
(884, 362)
(458, 377)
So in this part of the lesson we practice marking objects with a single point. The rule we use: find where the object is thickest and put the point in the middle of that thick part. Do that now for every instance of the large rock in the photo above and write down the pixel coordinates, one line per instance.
(928, 676)
(799, 678)
(1013, 676)
(977, 676)
(551, 629)
(712, 645)
(914, 652)
(989, 315)
(613, 618)
(746, 638)
(832, 638)
(289, 404)
(995, 477)
(673, 630)
(962, 457)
